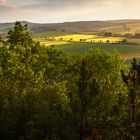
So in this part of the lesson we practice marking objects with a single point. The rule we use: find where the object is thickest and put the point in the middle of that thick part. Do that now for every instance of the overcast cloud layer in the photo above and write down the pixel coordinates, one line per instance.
(68, 10)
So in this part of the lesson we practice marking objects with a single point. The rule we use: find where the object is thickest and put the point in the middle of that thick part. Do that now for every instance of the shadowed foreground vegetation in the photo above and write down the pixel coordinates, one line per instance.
(46, 94)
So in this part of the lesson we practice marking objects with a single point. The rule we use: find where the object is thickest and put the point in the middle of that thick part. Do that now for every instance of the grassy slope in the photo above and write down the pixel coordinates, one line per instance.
(133, 40)
(115, 26)
(76, 47)
(50, 34)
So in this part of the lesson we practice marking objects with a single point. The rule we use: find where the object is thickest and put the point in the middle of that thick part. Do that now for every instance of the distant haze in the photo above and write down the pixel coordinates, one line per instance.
(52, 11)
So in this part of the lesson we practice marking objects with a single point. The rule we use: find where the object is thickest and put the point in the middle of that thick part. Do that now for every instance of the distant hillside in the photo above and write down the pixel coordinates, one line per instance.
(115, 26)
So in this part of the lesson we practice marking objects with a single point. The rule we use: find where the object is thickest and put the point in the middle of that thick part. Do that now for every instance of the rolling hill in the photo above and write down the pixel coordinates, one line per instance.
(114, 26)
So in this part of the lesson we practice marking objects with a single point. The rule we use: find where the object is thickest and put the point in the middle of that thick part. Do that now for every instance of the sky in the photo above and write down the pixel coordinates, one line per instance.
(54, 11)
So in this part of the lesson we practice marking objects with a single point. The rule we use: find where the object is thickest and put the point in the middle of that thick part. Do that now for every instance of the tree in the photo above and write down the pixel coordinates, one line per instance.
(124, 41)
(132, 80)
(108, 41)
(99, 94)
(20, 76)
(33, 88)
(87, 91)
(19, 35)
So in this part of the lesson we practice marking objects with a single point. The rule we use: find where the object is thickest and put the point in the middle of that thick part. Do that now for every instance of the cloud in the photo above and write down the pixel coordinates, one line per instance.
(67, 10)
(70, 7)
(6, 6)
(2, 1)
(70, 4)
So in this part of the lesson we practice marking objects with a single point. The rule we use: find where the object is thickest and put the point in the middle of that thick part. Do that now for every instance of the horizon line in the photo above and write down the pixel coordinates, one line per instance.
(70, 21)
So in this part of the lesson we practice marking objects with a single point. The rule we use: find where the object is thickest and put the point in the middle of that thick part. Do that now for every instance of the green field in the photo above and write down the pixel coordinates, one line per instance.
(76, 47)
(71, 43)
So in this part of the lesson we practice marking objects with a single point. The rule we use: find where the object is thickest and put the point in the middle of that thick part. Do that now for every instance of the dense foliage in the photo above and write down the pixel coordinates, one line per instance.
(46, 94)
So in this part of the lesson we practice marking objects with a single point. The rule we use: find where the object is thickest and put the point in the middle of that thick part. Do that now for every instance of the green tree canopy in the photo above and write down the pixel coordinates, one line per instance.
(48, 94)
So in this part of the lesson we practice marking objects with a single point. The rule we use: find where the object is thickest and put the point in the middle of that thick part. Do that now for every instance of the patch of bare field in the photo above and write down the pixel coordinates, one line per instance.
(131, 56)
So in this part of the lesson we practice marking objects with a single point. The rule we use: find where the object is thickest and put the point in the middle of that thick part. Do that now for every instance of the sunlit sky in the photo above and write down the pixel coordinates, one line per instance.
(49, 11)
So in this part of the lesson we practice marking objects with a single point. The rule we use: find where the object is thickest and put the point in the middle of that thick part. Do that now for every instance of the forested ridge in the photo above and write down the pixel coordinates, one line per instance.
(46, 94)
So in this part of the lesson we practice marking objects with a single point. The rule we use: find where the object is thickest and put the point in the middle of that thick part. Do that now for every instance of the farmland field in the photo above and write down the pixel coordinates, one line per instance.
(115, 29)
(51, 34)
(44, 37)
(75, 47)
(81, 43)
(133, 40)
